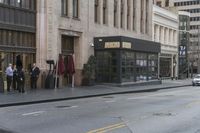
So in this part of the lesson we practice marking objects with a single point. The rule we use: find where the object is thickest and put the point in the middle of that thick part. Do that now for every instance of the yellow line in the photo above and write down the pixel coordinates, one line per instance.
(110, 129)
(106, 128)
(193, 103)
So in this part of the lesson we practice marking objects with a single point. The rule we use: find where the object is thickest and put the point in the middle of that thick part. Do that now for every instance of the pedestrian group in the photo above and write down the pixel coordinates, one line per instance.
(15, 76)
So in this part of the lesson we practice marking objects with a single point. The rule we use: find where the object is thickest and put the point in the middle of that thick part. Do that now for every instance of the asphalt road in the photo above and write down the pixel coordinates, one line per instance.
(166, 111)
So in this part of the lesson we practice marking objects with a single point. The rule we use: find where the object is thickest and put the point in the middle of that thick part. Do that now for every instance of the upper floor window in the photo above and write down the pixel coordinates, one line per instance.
(122, 13)
(115, 13)
(75, 8)
(128, 14)
(26, 4)
(104, 11)
(96, 6)
(65, 7)
(158, 3)
(134, 11)
(4, 1)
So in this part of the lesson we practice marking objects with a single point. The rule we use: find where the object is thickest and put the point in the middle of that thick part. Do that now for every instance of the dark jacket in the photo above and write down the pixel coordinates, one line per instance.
(20, 76)
(35, 72)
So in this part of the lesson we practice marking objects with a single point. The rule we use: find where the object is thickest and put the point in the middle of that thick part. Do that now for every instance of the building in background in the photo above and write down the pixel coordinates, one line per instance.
(191, 6)
(184, 43)
(165, 31)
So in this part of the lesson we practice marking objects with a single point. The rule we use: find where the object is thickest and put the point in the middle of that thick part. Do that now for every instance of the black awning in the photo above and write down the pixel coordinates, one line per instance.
(122, 42)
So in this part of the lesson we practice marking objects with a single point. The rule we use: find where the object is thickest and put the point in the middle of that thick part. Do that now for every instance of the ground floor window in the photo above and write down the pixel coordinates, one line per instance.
(165, 67)
(10, 57)
(127, 66)
(114, 66)
(107, 66)
(141, 66)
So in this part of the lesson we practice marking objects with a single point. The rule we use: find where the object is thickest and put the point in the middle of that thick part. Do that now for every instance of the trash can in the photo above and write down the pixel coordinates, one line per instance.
(49, 81)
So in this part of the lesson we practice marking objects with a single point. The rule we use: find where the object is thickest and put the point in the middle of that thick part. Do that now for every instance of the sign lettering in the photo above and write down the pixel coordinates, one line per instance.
(112, 45)
(126, 45)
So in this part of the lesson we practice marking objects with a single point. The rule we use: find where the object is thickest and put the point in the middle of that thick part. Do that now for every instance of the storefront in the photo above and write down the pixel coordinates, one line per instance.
(17, 33)
(123, 59)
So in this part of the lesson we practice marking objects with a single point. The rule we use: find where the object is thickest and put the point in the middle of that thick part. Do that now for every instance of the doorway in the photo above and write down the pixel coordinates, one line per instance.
(67, 49)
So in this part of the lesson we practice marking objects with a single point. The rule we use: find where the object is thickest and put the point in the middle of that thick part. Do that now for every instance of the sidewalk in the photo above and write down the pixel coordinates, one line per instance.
(14, 98)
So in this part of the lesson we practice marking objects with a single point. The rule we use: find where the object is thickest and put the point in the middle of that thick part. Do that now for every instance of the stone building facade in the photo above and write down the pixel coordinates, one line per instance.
(165, 31)
(69, 27)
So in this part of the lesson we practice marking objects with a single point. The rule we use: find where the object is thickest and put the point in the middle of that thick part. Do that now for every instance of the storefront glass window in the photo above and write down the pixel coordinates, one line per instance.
(152, 66)
(107, 70)
(127, 66)
(141, 66)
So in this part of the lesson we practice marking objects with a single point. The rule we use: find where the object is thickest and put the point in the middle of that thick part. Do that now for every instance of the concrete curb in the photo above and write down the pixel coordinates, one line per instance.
(88, 96)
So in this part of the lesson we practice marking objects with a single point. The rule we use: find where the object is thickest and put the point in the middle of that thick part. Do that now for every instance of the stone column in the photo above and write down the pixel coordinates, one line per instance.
(137, 15)
(110, 13)
(125, 15)
(171, 37)
(131, 14)
(41, 34)
(70, 8)
(157, 33)
(162, 35)
(167, 36)
(118, 13)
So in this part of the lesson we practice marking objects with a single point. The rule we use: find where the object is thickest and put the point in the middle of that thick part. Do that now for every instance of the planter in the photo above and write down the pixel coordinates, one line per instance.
(88, 82)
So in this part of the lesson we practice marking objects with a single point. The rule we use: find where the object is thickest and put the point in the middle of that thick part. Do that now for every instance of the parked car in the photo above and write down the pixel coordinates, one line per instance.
(196, 80)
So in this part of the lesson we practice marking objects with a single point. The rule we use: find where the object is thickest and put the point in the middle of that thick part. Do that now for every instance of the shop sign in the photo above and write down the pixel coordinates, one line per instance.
(112, 45)
(126, 45)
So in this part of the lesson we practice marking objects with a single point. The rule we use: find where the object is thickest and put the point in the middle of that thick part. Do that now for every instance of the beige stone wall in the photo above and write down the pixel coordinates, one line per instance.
(53, 25)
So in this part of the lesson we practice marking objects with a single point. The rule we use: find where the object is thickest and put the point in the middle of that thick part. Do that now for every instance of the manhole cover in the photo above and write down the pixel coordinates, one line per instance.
(63, 106)
(162, 114)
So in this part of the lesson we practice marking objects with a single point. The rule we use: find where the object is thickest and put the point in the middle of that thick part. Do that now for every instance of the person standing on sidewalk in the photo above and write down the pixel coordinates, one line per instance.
(35, 71)
(9, 74)
(20, 80)
(14, 83)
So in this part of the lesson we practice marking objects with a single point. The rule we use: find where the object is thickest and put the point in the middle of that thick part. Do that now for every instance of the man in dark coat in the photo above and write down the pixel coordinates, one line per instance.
(20, 80)
(14, 83)
(35, 71)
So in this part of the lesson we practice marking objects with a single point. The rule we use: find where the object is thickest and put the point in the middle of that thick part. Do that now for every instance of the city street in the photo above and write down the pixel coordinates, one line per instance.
(165, 111)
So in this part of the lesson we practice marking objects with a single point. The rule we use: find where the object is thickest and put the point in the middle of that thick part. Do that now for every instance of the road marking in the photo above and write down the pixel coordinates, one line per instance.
(108, 128)
(193, 103)
(111, 129)
(111, 101)
(33, 113)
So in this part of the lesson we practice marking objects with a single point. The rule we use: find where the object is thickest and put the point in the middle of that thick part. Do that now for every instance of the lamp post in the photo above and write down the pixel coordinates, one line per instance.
(174, 69)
